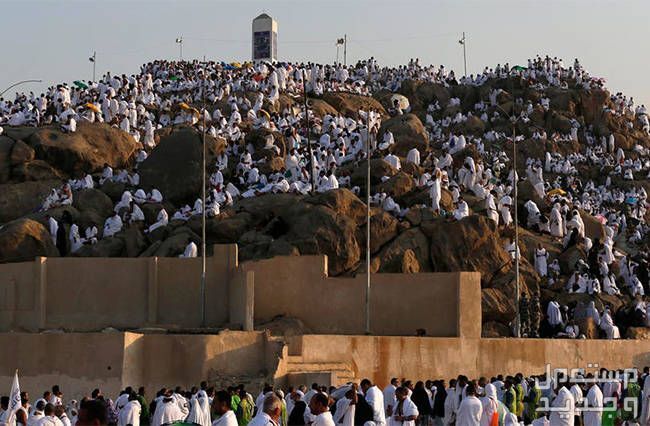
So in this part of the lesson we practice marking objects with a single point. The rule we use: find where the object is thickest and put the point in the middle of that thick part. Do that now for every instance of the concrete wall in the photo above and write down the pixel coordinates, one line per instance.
(381, 357)
(90, 294)
(80, 362)
(399, 304)
(79, 294)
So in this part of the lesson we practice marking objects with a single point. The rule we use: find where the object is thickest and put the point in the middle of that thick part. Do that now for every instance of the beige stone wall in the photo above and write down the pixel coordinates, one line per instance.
(399, 304)
(79, 362)
(83, 294)
(383, 357)
(91, 294)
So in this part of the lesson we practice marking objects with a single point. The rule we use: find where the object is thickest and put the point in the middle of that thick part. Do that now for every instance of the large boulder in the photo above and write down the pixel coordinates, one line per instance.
(21, 153)
(93, 200)
(19, 199)
(493, 329)
(23, 240)
(421, 94)
(175, 244)
(174, 167)
(470, 244)
(228, 229)
(398, 185)
(343, 201)
(497, 306)
(378, 169)
(594, 228)
(392, 255)
(106, 247)
(6, 146)
(349, 104)
(383, 228)
(408, 132)
(638, 333)
(320, 108)
(317, 229)
(34, 170)
(591, 104)
(86, 150)
(257, 138)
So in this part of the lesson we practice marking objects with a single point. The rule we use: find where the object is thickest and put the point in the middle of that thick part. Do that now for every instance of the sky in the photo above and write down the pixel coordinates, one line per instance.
(52, 39)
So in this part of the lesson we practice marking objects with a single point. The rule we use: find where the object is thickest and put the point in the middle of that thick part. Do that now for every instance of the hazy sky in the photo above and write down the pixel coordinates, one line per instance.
(52, 40)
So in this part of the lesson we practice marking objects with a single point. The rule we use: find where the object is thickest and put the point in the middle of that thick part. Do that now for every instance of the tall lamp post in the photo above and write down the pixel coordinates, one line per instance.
(513, 120)
(179, 41)
(18, 84)
(368, 227)
(463, 41)
(203, 211)
(339, 42)
(93, 59)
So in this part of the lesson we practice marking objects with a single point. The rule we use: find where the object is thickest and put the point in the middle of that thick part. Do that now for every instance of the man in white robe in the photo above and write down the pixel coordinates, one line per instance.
(389, 395)
(161, 220)
(53, 227)
(593, 416)
(470, 409)
(346, 408)
(491, 208)
(375, 398)
(167, 411)
(435, 192)
(130, 413)
(393, 160)
(221, 406)
(607, 325)
(112, 226)
(564, 408)
(190, 250)
(319, 407)
(556, 222)
(413, 156)
(541, 259)
(504, 208)
(462, 210)
(405, 412)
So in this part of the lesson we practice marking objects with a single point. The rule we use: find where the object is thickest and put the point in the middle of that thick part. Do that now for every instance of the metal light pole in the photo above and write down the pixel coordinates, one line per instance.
(203, 214)
(311, 154)
(345, 49)
(339, 41)
(368, 227)
(93, 59)
(19, 83)
(463, 42)
(514, 119)
(179, 41)
(516, 184)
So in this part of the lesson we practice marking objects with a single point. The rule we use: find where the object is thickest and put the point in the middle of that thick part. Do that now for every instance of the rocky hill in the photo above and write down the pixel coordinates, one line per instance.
(33, 161)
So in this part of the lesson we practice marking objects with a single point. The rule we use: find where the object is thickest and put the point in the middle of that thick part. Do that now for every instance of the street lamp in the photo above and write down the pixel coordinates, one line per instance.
(513, 120)
(368, 145)
(203, 210)
(93, 59)
(339, 42)
(179, 41)
(19, 83)
(463, 42)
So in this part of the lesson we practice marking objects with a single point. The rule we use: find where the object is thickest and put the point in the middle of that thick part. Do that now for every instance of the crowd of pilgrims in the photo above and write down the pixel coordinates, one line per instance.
(143, 103)
(601, 397)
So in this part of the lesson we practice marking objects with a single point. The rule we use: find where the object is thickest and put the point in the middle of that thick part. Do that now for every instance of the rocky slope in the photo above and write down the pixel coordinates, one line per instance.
(33, 161)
